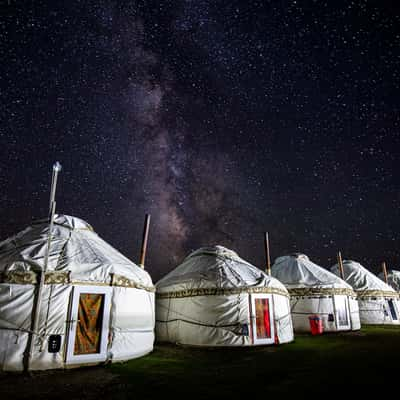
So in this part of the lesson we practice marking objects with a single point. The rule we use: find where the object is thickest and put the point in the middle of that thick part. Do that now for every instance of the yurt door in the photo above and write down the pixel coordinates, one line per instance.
(88, 324)
(342, 311)
(262, 319)
(392, 309)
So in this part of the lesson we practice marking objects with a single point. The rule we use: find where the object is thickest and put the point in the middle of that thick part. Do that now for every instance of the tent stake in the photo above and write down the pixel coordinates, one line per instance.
(267, 256)
(144, 240)
(340, 263)
(385, 277)
(37, 305)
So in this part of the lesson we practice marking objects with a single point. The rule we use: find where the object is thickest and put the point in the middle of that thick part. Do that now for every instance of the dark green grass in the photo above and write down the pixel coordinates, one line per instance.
(331, 365)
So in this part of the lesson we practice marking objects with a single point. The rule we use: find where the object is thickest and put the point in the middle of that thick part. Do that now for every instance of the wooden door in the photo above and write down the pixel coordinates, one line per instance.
(88, 324)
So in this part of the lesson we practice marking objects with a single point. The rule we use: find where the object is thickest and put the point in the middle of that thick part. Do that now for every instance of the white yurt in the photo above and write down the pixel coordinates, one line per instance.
(315, 291)
(393, 279)
(378, 302)
(215, 298)
(95, 305)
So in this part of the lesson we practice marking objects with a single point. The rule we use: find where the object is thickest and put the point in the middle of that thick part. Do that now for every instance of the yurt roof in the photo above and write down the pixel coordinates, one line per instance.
(393, 278)
(75, 249)
(216, 268)
(297, 271)
(360, 278)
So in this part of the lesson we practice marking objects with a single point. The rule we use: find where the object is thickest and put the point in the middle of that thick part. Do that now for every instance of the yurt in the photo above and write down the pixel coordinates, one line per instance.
(314, 291)
(215, 298)
(378, 302)
(393, 279)
(93, 306)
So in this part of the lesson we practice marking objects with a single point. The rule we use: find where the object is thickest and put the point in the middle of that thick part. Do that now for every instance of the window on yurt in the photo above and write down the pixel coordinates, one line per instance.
(392, 309)
(341, 311)
(263, 319)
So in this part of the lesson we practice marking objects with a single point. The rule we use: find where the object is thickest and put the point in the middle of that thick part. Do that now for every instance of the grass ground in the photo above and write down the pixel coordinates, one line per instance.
(311, 366)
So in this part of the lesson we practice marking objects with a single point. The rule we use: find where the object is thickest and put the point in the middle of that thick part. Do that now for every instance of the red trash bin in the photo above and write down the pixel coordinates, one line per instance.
(316, 325)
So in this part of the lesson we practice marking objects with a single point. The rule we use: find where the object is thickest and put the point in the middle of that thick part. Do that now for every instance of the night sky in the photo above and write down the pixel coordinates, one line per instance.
(222, 119)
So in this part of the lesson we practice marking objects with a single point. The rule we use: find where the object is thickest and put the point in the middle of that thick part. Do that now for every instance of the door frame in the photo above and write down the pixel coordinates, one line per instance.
(347, 306)
(253, 318)
(395, 307)
(70, 357)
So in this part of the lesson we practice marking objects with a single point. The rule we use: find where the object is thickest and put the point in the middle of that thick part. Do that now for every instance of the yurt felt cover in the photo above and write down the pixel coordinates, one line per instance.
(298, 272)
(217, 268)
(363, 281)
(205, 300)
(76, 254)
(315, 290)
(78, 257)
(393, 277)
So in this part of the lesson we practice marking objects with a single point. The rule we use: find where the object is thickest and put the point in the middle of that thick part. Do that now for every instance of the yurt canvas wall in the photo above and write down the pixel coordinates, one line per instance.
(96, 305)
(215, 298)
(316, 291)
(377, 301)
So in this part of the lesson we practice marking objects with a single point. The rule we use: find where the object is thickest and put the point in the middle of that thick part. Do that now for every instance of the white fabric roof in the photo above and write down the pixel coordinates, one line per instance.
(393, 278)
(360, 278)
(297, 271)
(215, 267)
(75, 247)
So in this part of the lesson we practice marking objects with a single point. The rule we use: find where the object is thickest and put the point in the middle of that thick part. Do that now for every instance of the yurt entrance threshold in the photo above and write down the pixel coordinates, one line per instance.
(262, 326)
(88, 324)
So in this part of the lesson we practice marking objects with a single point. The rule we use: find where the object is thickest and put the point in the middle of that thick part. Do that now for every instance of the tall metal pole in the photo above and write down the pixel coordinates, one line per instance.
(340, 263)
(37, 305)
(267, 256)
(144, 240)
(384, 270)
(56, 170)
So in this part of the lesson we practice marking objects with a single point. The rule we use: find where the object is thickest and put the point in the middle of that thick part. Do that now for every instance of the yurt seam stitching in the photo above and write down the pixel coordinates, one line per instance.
(63, 250)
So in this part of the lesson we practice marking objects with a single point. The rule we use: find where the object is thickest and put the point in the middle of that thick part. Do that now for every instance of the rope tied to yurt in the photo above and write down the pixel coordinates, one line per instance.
(192, 320)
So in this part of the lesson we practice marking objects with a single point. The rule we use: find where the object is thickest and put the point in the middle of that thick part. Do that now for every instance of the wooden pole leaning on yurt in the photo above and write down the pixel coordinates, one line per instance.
(38, 298)
(267, 256)
(144, 240)
(340, 264)
(384, 270)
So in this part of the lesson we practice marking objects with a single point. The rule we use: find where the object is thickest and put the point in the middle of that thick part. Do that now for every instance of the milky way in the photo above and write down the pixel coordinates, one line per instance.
(220, 119)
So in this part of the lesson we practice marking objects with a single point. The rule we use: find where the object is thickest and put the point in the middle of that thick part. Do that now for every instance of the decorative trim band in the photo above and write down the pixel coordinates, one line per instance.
(57, 278)
(122, 281)
(19, 277)
(64, 278)
(361, 294)
(322, 292)
(219, 292)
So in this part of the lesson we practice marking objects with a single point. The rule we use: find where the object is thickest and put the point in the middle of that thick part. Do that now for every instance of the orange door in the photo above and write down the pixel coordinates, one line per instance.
(89, 324)
(262, 319)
